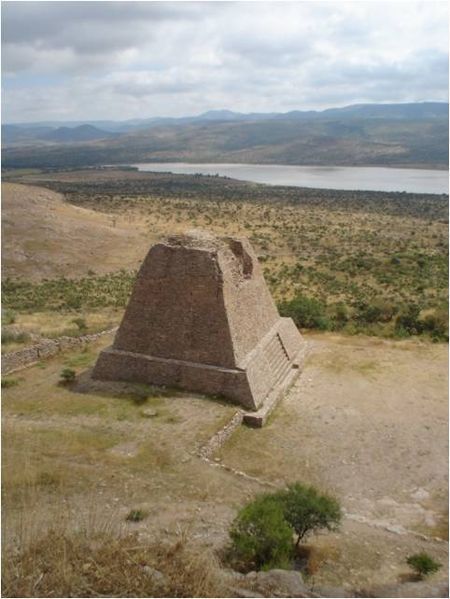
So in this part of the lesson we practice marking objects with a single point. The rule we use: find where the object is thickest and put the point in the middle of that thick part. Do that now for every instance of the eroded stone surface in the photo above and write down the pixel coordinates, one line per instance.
(201, 318)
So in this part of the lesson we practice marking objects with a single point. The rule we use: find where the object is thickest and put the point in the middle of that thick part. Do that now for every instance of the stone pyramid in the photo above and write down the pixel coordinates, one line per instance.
(201, 318)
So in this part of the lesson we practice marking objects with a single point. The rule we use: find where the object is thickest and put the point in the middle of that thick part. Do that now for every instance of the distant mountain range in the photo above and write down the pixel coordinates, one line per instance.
(27, 134)
(413, 134)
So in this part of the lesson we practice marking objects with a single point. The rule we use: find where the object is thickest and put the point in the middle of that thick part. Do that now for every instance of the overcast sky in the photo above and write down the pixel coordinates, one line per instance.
(119, 60)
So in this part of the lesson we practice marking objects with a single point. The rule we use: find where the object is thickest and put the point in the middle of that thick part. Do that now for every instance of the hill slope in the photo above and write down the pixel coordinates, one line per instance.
(74, 134)
(44, 236)
(390, 135)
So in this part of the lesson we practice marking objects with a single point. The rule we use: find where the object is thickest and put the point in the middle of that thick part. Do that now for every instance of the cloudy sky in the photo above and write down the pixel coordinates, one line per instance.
(119, 60)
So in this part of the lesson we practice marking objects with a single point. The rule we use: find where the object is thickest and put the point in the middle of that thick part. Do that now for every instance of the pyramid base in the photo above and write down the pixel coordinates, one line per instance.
(263, 375)
(259, 418)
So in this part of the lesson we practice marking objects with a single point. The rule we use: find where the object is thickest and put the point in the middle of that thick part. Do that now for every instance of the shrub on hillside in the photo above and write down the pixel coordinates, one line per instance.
(306, 312)
(423, 564)
(7, 383)
(339, 315)
(376, 312)
(80, 323)
(436, 325)
(408, 322)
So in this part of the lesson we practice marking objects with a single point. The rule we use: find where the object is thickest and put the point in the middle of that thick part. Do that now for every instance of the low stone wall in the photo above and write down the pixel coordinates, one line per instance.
(45, 349)
(219, 438)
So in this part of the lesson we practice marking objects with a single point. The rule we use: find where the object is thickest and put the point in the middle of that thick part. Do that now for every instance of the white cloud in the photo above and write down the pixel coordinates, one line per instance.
(139, 59)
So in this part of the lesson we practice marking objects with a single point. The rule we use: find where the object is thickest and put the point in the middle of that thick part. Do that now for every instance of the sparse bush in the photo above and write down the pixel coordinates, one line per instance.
(136, 515)
(96, 291)
(376, 312)
(339, 315)
(436, 325)
(306, 312)
(261, 537)
(67, 376)
(7, 383)
(408, 320)
(423, 564)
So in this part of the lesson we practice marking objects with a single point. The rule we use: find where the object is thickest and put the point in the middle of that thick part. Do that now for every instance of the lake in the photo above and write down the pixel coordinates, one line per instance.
(368, 178)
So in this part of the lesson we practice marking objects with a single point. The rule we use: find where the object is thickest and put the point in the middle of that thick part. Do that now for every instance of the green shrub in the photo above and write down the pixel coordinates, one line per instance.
(261, 537)
(436, 325)
(376, 312)
(339, 315)
(306, 509)
(408, 320)
(308, 313)
(68, 294)
(67, 375)
(7, 383)
(262, 532)
(136, 515)
(423, 564)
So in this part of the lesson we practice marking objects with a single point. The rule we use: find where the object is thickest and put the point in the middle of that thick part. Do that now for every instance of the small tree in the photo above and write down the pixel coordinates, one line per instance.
(306, 510)
(67, 376)
(260, 535)
(423, 564)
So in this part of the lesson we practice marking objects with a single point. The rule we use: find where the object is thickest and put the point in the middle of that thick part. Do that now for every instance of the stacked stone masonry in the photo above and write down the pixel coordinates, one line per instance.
(201, 318)
(46, 348)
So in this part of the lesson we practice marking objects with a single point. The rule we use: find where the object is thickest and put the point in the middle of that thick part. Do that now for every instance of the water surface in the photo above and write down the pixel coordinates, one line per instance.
(368, 178)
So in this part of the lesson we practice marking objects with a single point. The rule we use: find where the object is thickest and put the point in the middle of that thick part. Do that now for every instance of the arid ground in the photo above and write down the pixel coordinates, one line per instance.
(367, 420)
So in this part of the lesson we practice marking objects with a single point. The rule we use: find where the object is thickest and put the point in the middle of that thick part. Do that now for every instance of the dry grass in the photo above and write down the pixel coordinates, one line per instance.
(81, 565)
(39, 226)
(56, 324)
(316, 556)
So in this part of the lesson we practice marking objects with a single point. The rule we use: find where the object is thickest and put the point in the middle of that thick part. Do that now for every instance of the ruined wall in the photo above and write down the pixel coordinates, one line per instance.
(46, 348)
(250, 308)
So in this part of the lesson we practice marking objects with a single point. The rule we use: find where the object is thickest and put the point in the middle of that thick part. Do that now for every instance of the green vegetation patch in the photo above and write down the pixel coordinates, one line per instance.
(69, 294)
(261, 534)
